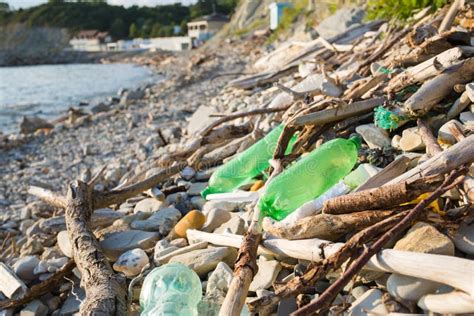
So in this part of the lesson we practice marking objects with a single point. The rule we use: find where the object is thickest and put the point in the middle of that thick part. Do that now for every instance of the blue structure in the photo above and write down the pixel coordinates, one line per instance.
(276, 13)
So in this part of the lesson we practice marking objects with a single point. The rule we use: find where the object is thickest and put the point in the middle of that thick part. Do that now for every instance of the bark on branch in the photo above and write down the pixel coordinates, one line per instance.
(105, 291)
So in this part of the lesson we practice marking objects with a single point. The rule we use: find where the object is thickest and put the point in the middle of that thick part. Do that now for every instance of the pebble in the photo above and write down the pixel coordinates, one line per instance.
(24, 267)
(235, 225)
(64, 244)
(188, 173)
(34, 308)
(409, 288)
(196, 188)
(444, 134)
(161, 221)
(267, 273)
(148, 205)
(131, 262)
(218, 283)
(203, 260)
(411, 140)
(424, 238)
(374, 136)
(215, 218)
(464, 238)
(193, 220)
(370, 301)
(117, 243)
(467, 118)
(221, 205)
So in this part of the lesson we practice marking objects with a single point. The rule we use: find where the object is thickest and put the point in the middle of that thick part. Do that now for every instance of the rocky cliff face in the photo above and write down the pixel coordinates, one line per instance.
(20, 44)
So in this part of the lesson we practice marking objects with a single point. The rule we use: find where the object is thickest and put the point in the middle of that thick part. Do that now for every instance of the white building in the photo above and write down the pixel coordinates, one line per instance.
(175, 43)
(90, 41)
(203, 28)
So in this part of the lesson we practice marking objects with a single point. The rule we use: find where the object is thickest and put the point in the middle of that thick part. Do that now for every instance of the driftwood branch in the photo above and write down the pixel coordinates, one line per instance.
(450, 16)
(324, 226)
(317, 270)
(40, 289)
(105, 291)
(340, 113)
(380, 198)
(323, 301)
(450, 159)
(432, 146)
(246, 264)
(112, 197)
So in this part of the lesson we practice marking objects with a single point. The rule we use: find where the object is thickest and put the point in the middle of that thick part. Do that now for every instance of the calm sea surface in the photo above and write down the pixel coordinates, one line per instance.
(49, 90)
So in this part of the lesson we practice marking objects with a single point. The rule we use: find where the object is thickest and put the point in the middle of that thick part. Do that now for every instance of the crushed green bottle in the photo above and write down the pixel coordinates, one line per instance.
(310, 177)
(246, 166)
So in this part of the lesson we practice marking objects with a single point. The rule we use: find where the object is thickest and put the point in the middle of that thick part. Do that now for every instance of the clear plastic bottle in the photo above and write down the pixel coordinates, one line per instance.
(171, 290)
(310, 177)
(246, 166)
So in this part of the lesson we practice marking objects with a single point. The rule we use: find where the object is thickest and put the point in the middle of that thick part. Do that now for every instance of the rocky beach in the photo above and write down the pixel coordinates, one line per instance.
(125, 207)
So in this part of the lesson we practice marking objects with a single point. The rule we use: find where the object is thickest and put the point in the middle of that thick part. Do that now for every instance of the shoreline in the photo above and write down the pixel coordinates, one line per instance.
(135, 129)
(111, 99)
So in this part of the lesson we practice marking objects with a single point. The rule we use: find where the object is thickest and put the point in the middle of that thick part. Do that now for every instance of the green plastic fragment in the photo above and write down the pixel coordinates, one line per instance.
(384, 70)
(386, 119)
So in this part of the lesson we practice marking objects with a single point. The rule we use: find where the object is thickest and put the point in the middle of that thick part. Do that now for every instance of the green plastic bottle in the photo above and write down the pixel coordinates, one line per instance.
(246, 166)
(308, 178)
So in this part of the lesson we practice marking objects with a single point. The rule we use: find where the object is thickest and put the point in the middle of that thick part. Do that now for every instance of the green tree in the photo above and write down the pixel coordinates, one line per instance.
(118, 29)
(133, 31)
(155, 30)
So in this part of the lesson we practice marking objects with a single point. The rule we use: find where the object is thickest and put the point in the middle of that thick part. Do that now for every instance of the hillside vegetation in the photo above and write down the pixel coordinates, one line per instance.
(120, 22)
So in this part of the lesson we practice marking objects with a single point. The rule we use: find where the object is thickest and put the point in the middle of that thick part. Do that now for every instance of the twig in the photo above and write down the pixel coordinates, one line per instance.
(246, 264)
(40, 289)
(234, 116)
(328, 296)
(112, 197)
(450, 16)
(318, 270)
(432, 146)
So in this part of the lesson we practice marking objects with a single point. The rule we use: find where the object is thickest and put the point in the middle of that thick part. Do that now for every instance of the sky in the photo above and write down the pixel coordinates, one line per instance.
(16, 4)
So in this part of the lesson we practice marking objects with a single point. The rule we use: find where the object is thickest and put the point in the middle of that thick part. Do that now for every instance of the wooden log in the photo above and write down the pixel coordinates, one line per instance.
(455, 302)
(340, 113)
(450, 16)
(450, 159)
(459, 105)
(393, 170)
(380, 198)
(434, 90)
(324, 226)
(428, 68)
(105, 291)
(360, 90)
(419, 265)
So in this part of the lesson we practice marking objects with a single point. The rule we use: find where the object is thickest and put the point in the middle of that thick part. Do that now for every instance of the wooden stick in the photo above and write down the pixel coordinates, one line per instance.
(324, 226)
(428, 68)
(380, 198)
(436, 89)
(450, 159)
(340, 113)
(450, 16)
(111, 197)
(432, 146)
(418, 265)
(234, 116)
(330, 293)
(105, 291)
(455, 302)
(246, 264)
(40, 289)
(316, 271)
